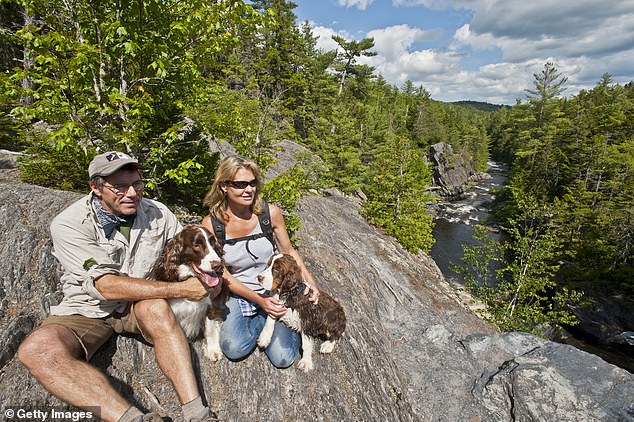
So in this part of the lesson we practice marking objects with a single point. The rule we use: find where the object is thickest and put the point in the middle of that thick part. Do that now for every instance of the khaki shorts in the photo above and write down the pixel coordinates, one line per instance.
(92, 333)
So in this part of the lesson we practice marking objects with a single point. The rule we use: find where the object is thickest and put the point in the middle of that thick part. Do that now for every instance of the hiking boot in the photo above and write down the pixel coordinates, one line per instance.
(205, 415)
(149, 417)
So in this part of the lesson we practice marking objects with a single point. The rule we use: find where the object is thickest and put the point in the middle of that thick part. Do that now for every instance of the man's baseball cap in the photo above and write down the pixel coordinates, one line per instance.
(107, 163)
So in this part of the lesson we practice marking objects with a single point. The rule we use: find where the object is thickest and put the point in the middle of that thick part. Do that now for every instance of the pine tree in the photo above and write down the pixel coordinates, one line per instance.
(395, 188)
(347, 58)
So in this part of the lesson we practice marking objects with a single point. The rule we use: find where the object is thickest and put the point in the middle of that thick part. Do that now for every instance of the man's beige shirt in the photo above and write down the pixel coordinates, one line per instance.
(86, 254)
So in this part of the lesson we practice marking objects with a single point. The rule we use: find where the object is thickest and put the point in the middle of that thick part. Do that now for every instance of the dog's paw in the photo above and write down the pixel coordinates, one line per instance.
(327, 347)
(263, 342)
(305, 364)
(214, 354)
(267, 333)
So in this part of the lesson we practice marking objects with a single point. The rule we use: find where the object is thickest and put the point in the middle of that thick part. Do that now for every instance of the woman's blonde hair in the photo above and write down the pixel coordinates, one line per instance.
(216, 199)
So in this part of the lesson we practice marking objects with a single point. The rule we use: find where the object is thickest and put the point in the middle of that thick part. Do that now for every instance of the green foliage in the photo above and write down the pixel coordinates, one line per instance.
(340, 149)
(346, 60)
(234, 117)
(574, 159)
(43, 163)
(119, 76)
(623, 277)
(516, 280)
(179, 169)
(396, 199)
(478, 105)
(285, 190)
(10, 22)
(10, 129)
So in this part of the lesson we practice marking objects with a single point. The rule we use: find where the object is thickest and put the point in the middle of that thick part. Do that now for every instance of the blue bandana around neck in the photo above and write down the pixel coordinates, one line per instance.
(109, 221)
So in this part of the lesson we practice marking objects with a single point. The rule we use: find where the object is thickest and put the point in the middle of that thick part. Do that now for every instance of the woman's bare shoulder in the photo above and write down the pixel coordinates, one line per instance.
(206, 222)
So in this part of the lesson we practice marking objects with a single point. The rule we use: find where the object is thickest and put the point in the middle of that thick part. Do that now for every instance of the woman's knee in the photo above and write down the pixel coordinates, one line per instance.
(282, 358)
(236, 345)
(284, 347)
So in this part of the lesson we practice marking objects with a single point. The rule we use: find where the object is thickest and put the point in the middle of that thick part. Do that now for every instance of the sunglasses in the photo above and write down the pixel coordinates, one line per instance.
(122, 189)
(242, 184)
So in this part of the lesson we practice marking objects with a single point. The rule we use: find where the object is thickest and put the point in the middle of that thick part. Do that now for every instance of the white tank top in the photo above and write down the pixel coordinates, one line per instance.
(248, 258)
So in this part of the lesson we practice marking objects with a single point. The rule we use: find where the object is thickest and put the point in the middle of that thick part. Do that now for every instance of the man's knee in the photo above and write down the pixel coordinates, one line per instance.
(155, 316)
(48, 345)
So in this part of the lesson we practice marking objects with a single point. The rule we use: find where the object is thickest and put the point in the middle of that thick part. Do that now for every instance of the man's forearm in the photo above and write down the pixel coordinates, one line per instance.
(115, 287)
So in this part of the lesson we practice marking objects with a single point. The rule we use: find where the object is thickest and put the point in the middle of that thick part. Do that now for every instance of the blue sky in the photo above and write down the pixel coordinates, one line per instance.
(483, 50)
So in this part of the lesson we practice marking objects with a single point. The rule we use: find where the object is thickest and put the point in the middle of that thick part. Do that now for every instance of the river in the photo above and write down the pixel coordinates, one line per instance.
(454, 229)
(455, 221)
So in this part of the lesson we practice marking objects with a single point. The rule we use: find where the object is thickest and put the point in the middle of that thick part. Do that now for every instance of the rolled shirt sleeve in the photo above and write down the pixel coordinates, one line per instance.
(84, 257)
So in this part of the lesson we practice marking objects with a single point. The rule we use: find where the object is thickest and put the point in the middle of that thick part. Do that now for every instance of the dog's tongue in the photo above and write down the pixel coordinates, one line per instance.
(209, 280)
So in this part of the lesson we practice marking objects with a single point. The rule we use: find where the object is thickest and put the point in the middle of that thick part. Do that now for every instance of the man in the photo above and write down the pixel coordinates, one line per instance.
(107, 243)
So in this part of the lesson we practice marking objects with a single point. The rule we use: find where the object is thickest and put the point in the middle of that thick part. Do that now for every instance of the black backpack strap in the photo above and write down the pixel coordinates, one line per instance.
(219, 230)
(265, 224)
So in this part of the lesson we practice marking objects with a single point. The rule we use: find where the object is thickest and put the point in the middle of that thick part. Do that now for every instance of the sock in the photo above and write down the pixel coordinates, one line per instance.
(131, 414)
(195, 410)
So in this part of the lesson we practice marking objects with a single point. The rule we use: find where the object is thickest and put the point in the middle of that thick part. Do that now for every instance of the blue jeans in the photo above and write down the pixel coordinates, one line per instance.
(239, 335)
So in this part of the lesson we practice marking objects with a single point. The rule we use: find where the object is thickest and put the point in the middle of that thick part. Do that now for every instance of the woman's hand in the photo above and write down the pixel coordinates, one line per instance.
(314, 293)
(272, 306)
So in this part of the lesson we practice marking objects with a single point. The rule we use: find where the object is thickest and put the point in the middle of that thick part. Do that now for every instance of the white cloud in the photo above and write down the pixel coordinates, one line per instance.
(395, 41)
(359, 4)
(397, 63)
(325, 41)
(496, 80)
(584, 38)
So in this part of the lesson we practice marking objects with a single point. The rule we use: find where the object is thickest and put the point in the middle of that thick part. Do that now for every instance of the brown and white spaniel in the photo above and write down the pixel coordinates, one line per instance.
(195, 252)
(324, 319)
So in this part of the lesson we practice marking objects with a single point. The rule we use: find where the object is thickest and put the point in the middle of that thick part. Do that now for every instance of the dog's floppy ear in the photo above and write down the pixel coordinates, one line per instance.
(166, 268)
(291, 274)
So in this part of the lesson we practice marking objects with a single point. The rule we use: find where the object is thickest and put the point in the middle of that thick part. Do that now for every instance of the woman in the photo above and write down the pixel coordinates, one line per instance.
(234, 201)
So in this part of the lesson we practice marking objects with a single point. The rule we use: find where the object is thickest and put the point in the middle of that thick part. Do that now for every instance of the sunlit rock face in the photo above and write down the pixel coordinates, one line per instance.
(451, 171)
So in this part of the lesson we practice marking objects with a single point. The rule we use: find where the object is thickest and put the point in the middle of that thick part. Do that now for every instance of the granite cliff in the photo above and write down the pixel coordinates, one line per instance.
(412, 351)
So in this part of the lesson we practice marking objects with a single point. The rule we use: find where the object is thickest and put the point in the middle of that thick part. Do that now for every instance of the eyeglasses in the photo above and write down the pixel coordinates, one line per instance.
(122, 188)
(242, 184)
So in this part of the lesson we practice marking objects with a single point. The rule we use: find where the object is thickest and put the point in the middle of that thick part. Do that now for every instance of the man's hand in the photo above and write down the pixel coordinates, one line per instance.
(194, 289)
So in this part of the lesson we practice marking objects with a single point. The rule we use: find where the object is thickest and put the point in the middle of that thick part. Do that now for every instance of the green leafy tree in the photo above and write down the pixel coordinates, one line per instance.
(347, 58)
(549, 83)
(396, 200)
(521, 292)
(574, 156)
(119, 75)
(285, 190)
